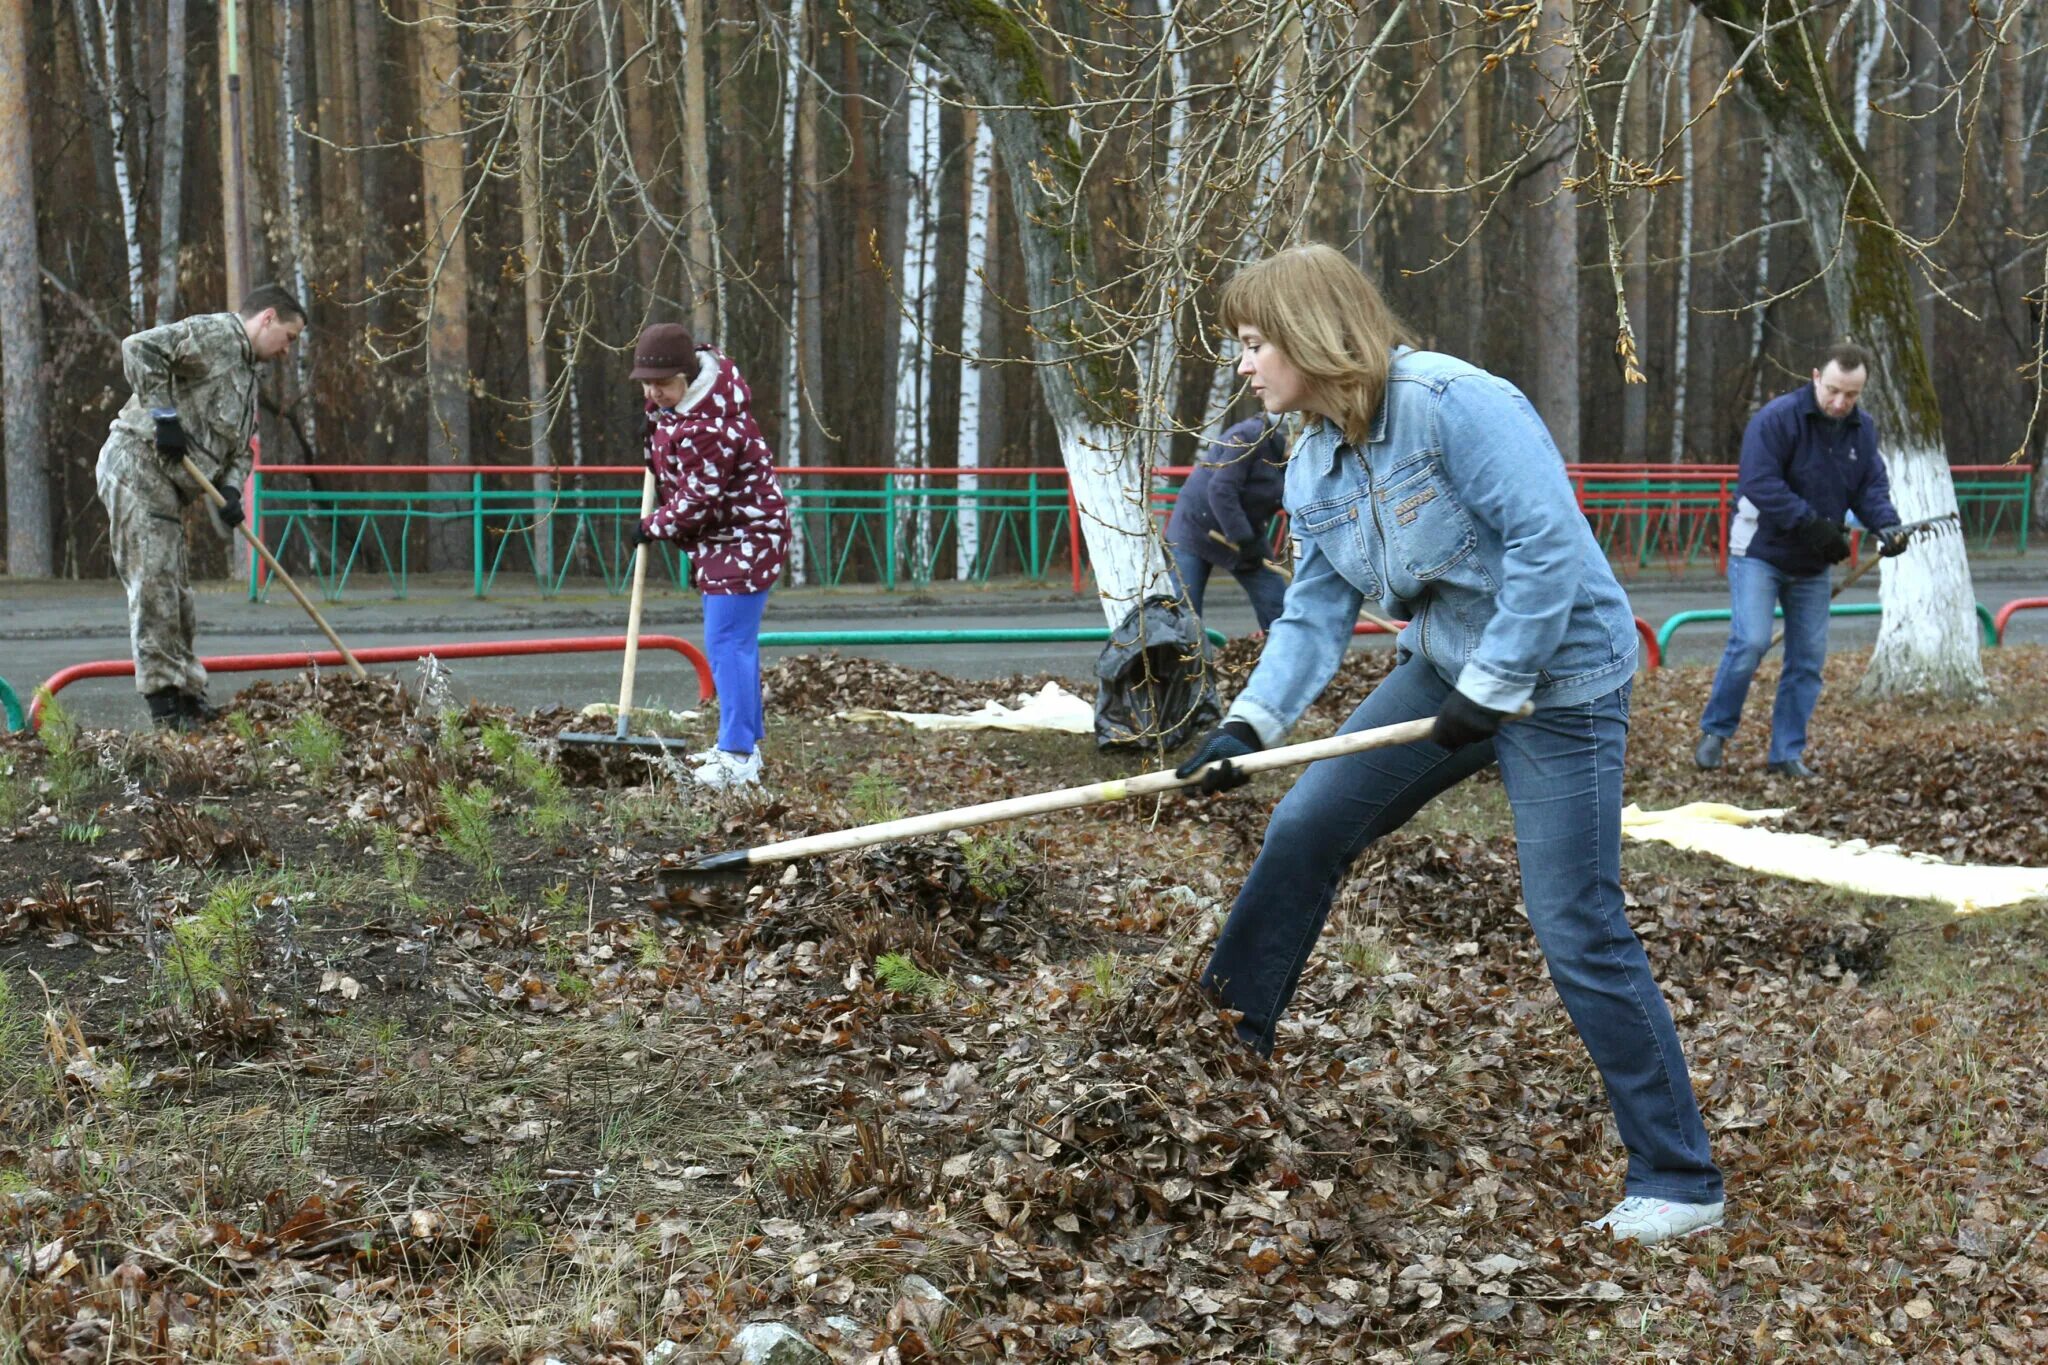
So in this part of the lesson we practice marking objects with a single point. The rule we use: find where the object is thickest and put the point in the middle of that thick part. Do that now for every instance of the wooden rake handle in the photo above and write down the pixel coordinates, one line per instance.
(1067, 798)
(1909, 530)
(263, 551)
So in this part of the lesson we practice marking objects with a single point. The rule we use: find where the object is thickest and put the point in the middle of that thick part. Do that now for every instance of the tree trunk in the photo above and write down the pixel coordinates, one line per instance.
(1704, 414)
(1635, 397)
(99, 56)
(1925, 145)
(447, 265)
(292, 185)
(974, 329)
(895, 163)
(532, 257)
(1928, 641)
(707, 311)
(170, 204)
(643, 158)
(949, 272)
(2012, 147)
(1681, 312)
(23, 387)
(234, 176)
(1557, 237)
(993, 55)
(914, 279)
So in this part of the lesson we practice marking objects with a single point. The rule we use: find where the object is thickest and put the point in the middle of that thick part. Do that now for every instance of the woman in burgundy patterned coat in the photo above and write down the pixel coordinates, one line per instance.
(717, 501)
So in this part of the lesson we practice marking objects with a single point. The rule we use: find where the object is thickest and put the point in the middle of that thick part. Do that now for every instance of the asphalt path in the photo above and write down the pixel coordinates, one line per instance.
(46, 627)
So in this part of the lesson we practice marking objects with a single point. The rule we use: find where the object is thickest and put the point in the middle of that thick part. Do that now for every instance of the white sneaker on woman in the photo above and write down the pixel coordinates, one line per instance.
(723, 771)
(1649, 1221)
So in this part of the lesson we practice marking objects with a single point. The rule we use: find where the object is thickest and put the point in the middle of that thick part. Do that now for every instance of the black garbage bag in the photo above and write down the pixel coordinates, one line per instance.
(1154, 686)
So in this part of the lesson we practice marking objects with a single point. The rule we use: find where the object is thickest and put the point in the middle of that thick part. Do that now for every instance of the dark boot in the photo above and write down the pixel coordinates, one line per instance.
(198, 710)
(167, 709)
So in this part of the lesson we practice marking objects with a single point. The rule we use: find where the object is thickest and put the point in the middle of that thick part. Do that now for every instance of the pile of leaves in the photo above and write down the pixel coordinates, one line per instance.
(818, 685)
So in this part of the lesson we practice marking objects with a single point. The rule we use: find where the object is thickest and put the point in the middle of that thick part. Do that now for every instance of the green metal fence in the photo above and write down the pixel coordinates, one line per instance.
(895, 527)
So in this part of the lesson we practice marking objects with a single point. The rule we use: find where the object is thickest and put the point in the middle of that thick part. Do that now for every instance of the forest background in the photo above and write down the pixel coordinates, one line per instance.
(482, 204)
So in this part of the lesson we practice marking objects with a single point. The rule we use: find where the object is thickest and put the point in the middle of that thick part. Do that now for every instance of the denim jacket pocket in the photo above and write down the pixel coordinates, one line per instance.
(1337, 526)
(1428, 533)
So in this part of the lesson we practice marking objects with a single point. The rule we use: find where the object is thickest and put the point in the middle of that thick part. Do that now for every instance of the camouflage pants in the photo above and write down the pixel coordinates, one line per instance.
(148, 537)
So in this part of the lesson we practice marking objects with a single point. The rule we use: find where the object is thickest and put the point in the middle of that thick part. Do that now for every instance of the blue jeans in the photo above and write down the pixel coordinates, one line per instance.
(1562, 770)
(1755, 589)
(1266, 587)
(732, 640)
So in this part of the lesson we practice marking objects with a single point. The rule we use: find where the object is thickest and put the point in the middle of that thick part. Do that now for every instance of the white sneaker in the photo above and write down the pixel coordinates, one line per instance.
(1649, 1221)
(724, 771)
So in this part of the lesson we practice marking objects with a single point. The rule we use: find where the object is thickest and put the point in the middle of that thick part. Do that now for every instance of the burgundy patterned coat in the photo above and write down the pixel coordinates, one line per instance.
(715, 494)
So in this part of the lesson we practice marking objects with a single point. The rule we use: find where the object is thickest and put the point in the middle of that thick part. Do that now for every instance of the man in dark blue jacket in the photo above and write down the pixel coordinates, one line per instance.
(1220, 518)
(1809, 458)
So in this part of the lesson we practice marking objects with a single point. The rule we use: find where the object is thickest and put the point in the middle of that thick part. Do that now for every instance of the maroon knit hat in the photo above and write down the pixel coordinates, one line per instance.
(664, 350)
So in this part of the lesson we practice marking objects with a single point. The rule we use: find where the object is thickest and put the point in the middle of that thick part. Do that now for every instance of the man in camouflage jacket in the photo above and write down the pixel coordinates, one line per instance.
(194, 385)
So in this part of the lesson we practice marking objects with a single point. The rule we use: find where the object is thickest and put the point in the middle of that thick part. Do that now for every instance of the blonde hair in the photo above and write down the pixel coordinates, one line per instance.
(1329, 320)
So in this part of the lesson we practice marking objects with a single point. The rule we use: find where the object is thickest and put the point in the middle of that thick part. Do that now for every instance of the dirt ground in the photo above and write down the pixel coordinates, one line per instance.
(358, 1030)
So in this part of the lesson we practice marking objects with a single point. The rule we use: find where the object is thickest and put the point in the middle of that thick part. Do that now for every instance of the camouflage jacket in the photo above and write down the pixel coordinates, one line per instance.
(202, 366)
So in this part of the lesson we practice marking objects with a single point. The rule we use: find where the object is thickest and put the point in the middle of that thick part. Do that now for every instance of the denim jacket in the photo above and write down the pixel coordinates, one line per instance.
(1458, 516)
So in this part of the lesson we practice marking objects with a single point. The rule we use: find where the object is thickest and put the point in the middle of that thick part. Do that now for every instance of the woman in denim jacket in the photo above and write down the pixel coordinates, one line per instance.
(1432, 488)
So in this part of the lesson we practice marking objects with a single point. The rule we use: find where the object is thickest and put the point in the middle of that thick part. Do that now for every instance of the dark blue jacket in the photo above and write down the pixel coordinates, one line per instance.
(1234, 490)
(1798, 463)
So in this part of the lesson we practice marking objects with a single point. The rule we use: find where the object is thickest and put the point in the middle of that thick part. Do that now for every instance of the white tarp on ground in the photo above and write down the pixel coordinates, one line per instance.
(1731, 834)
(1053, 708)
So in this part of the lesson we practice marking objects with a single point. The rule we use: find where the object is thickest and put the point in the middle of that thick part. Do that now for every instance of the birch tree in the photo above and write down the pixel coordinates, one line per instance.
(980, 175)
(99, 56)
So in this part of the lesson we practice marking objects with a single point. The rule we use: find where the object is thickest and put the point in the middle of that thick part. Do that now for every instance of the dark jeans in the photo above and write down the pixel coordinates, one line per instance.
(1266, 587)
(1755, 591)
(1562, 770)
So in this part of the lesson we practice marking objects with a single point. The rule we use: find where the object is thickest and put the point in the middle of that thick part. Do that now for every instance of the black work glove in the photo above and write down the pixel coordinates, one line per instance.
(230, 511)
(1891, 540)
(170, 434)
(642, 536)
(1828, 539)
(1464, 721)
(1231, 739)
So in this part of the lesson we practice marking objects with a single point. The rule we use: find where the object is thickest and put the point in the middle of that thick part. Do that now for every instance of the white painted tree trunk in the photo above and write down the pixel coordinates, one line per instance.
(1927, 640)
(995, 58)
(914, 314)
(981, 171)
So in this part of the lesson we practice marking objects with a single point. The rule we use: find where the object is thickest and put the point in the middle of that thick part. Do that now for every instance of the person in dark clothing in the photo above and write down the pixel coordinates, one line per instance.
(1809, 457)
(1220, 519)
